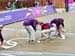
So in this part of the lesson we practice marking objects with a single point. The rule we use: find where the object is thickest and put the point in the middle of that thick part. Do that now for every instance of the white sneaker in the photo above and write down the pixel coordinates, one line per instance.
(38, 41)
(4, 41)
(62, 37)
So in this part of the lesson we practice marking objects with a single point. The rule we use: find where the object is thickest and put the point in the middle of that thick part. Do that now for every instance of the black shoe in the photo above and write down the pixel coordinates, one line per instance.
(31, 41)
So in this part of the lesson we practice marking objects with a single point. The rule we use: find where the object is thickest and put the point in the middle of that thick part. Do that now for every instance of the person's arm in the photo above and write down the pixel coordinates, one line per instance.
(63, 25)
(58, 27)
(34, 25)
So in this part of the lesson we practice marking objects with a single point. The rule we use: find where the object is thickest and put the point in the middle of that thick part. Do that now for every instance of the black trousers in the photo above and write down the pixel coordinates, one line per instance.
(1, 37)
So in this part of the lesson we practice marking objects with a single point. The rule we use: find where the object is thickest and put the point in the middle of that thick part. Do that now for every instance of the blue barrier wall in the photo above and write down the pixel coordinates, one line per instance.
(11, 16)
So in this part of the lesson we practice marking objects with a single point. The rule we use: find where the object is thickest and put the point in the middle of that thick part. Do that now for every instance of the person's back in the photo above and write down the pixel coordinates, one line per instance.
(58, 22)
(55, 20)
(46, 26)
(32, 22)
(61, 21)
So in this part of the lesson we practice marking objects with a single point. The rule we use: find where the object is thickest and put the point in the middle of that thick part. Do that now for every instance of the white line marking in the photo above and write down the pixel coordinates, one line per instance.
(16, 53)
(24, 30)
(28, 14)
(4, 54)
(11, 43)
(12, 29)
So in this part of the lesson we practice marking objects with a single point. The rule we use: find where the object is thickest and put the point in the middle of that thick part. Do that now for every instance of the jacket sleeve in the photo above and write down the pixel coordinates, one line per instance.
(34, 25)
(63, 25)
